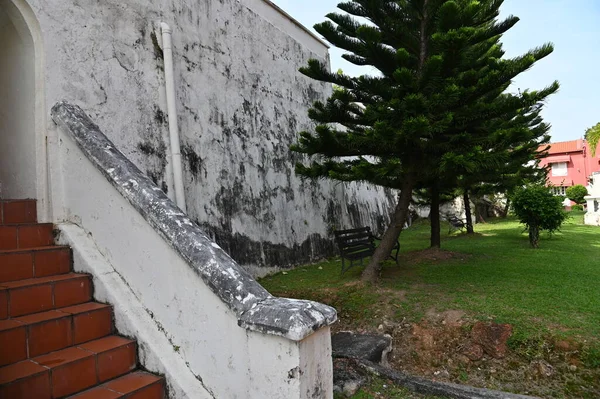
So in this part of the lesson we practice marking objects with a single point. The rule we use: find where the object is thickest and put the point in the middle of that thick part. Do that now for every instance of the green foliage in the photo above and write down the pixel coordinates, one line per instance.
(436, 111)
(440, 82)
(577, 193)
(591, 357)
(592, 136)
(538, 209)
(577, 208)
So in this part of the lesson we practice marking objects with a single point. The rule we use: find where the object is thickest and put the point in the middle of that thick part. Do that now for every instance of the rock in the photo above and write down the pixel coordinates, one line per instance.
(452, 318)
(474, 352)
(347, 379)
(350, 388)
(492, 337)
(541, 368)
(389, 327)
(442, 374)
(375, 348)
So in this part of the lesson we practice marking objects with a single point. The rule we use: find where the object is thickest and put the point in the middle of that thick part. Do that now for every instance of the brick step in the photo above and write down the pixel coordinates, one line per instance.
(37, 334)
(136, 385)
(71, 370)
(21, 264)
(19, 236)
(18, 211)
(35, 295)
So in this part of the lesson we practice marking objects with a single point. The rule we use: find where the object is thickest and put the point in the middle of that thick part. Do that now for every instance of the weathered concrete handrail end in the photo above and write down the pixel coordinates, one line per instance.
(291, 318)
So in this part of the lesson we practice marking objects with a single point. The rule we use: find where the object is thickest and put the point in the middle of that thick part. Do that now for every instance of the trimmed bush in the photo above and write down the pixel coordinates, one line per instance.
(538, 209)
(577, 193)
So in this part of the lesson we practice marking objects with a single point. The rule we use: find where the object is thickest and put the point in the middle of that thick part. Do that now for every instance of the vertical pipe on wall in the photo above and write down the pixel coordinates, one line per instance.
(172, 115)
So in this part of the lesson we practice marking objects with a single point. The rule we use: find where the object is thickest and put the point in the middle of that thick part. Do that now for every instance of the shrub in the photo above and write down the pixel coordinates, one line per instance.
(577, 208)
(538, 209)
(577, 193)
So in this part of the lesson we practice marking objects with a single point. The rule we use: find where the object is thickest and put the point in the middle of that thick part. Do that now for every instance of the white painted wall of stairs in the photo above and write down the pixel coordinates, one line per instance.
(183, 329)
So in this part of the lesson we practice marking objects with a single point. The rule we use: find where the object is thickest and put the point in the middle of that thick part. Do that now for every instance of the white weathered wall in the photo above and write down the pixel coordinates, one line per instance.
(241, 103)
(17, 89)
(592, 216)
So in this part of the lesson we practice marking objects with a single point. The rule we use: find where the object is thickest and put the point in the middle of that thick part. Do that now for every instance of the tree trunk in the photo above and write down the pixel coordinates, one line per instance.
(506, 208)
(534, 236)
(436, 240)
(390, 237)
(468, 216)
(478, 213)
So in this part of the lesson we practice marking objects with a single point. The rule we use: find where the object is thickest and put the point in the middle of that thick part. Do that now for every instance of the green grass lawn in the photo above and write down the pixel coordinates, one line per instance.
(548, 293)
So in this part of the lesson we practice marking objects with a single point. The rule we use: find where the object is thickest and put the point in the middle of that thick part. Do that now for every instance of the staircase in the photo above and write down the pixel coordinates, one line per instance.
(55, 341)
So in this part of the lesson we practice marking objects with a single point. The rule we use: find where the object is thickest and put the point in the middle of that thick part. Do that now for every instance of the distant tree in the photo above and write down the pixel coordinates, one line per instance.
(592, 136)
(577, 193)
(506, 160)
(538, 210)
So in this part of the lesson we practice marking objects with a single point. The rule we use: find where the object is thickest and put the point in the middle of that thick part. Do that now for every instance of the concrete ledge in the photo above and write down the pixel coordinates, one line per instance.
(256, 309)
(427, 387)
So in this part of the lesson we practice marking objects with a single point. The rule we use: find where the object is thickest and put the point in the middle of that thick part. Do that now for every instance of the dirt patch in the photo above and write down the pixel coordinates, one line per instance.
(444, 347)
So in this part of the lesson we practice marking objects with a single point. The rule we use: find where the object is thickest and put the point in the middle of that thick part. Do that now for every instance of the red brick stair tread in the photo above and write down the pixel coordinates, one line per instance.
(17, 371)
(9, 324)
(77, 368)
(40, 333)
(115, 356)
(138, 384)
(98, 393)
(34, 249)
(40, 317)
(106, 344)
(84, 307)
(41, 294)
(18, 211)
(25, 235)
(132, 382)
(61, 357)
(41, 280)
(29, 263)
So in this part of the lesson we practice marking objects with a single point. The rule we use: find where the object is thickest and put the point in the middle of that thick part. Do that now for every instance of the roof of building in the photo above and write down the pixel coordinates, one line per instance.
(565, 146)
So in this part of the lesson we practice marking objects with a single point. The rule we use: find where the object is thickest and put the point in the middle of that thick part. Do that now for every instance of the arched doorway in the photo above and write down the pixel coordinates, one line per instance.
(22, 120)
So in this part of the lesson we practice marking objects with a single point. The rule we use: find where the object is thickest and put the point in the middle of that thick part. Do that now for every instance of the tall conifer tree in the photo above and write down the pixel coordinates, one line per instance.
(440, 78)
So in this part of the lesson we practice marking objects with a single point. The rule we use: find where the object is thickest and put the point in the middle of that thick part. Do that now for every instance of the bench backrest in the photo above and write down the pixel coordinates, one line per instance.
(355, 242)
(455, 221)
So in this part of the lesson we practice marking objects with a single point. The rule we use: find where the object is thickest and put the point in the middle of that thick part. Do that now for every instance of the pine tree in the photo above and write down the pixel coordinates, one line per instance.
(440, 75)
(505, 158)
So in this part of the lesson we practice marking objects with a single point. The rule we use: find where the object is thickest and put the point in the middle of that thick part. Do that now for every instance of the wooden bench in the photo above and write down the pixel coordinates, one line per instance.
(357, 244)
(455, 223)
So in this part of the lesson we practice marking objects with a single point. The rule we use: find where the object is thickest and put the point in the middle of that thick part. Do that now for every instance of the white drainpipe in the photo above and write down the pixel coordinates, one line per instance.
(172, 114)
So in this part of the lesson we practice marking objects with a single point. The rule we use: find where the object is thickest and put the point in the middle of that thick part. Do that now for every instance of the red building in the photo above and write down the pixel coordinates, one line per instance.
(571, 163)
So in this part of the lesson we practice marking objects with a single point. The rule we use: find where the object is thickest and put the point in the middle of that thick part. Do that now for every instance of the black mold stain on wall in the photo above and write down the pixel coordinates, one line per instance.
(247, 251)
(193, 161)
(156, 159)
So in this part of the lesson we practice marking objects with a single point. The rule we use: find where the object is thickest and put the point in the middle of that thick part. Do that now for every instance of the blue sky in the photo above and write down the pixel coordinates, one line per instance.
(572, 25)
